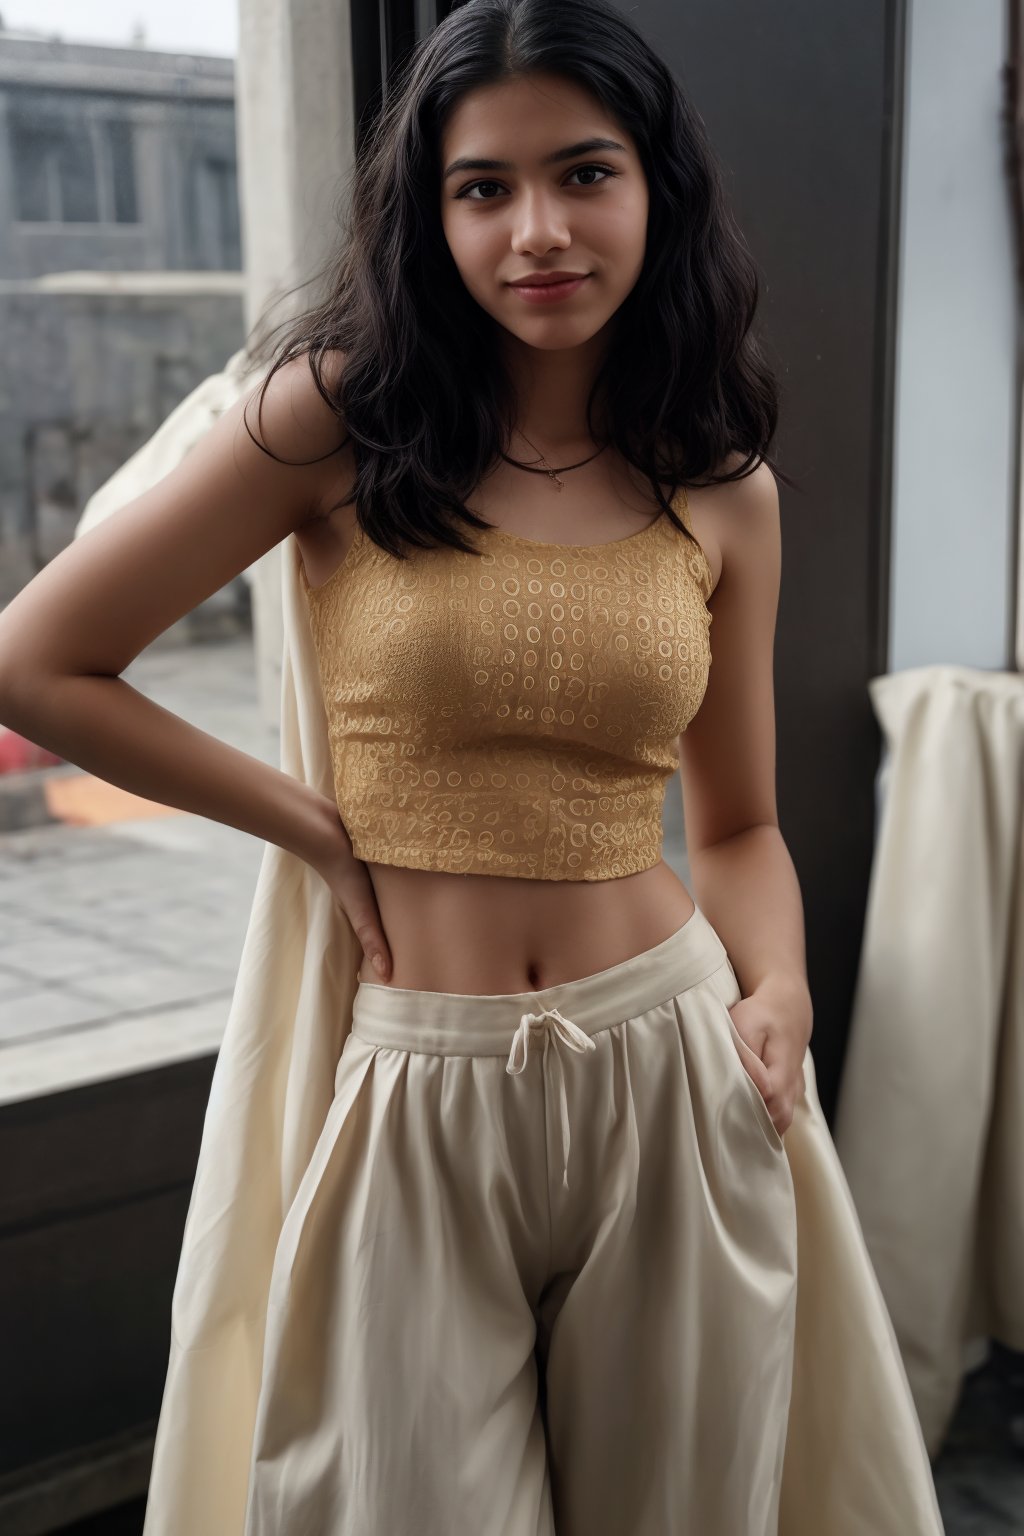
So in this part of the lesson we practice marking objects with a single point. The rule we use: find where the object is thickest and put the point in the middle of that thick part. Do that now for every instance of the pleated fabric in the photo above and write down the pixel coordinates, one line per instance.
(280, 1132)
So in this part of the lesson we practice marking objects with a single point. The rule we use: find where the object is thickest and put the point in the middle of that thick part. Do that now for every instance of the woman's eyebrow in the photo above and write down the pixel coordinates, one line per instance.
(584, 147)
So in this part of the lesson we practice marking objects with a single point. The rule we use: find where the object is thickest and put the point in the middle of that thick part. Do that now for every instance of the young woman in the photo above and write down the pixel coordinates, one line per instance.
(497, 1220)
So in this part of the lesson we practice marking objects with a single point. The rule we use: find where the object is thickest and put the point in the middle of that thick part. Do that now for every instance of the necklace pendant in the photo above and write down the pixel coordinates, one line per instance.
(554, 477)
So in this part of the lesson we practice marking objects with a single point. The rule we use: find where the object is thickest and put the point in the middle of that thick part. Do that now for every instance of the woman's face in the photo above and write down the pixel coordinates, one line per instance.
(585, 212)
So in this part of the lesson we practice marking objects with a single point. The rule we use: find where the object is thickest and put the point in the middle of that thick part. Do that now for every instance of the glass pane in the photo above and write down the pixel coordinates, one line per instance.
(77, 171)
(224, 181)
(122, 162)
(32, 151)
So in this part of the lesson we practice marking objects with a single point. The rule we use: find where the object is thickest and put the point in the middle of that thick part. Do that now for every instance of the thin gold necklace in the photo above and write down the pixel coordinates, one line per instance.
(552, 474)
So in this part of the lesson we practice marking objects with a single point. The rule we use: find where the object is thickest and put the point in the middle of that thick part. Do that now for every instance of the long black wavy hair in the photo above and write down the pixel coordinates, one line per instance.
(423, 393)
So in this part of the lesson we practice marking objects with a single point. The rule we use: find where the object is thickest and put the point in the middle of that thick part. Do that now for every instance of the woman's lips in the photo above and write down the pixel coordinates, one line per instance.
(547, 293)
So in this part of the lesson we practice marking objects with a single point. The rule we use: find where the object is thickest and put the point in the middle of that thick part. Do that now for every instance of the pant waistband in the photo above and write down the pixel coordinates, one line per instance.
(483, 1024)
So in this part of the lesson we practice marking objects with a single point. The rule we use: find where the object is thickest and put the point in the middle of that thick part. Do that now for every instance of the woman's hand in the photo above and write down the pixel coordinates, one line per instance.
(348, 880)
(774, 1024)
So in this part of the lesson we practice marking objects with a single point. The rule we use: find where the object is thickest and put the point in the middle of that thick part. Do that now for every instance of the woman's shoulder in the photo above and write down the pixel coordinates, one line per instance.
(730, 516)
(304, 397)
(750, 493)
(299, 422)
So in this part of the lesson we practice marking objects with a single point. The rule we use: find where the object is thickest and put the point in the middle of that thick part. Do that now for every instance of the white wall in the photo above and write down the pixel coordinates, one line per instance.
(954, 494)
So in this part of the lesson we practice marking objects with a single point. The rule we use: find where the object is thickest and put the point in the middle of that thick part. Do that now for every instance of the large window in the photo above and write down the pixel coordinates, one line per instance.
(215, 213)
(73, 173)
(121, 148)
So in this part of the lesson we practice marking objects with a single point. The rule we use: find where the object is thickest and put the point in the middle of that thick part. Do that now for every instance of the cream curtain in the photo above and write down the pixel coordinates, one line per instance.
(930, 1118)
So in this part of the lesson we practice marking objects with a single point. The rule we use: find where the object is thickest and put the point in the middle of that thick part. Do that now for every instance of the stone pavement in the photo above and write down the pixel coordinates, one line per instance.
(119, 946)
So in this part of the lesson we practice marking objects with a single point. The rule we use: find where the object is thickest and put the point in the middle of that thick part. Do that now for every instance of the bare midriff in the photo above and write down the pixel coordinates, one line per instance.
(489, 933)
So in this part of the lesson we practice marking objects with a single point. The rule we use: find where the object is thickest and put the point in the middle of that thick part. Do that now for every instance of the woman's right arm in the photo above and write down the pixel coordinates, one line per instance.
(67, 636)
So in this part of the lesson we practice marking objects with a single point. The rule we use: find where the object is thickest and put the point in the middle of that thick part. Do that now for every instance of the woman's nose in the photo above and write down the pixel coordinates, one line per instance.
(539, 225)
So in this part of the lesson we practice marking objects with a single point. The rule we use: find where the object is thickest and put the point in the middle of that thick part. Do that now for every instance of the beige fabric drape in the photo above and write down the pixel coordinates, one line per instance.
(930, 1118)
(855, 1463)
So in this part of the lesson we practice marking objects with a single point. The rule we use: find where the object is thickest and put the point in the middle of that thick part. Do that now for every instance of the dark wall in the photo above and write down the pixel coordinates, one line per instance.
(803, 104)
(91, 1228)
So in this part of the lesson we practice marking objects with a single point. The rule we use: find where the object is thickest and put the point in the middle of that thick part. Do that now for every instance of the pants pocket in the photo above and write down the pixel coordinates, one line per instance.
(726, 989)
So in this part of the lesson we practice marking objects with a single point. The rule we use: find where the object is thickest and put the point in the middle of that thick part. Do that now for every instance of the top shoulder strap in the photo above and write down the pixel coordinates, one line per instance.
(681, 506)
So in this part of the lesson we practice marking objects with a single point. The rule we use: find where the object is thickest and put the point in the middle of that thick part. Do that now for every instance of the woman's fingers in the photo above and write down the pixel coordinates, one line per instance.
(354, 893)
(755, 1066)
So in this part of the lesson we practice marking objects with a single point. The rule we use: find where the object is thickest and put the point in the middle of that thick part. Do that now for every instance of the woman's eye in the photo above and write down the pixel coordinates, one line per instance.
(605, 171)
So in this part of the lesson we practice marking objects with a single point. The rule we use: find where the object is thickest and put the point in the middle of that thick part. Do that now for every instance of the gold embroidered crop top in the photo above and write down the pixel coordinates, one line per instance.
(517, 711)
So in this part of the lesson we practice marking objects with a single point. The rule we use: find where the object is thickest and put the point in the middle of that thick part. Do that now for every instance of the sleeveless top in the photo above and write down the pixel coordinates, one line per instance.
(517, 711)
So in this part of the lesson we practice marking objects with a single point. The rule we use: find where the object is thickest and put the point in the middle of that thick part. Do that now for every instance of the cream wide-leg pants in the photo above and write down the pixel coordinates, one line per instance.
(540, 1274)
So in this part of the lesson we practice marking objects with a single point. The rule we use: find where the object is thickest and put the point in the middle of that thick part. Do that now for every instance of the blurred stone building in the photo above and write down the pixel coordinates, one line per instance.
(120, 267)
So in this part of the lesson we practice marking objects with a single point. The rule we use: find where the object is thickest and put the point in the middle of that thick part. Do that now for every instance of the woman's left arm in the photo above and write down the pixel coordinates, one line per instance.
(742, 874)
